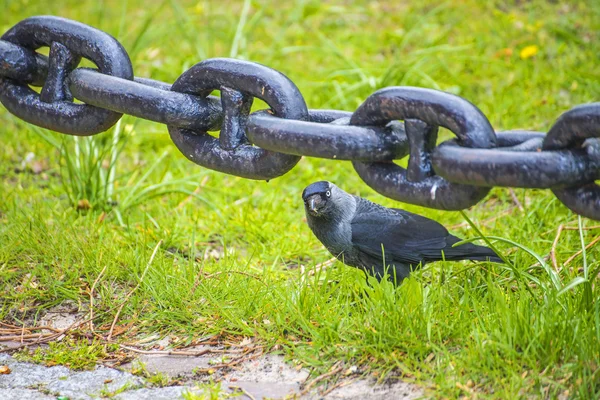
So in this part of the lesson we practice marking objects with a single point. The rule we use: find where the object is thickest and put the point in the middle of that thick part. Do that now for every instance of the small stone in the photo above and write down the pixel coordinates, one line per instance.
(352, 370)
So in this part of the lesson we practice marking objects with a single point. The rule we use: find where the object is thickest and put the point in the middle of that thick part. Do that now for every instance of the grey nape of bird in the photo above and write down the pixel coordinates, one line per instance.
(374, 238)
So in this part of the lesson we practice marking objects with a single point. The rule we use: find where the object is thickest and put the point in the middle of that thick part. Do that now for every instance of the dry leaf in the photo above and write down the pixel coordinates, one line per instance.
(83, 204)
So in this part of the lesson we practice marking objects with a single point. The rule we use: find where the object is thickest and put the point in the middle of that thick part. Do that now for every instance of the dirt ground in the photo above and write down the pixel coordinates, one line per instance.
(257, 375)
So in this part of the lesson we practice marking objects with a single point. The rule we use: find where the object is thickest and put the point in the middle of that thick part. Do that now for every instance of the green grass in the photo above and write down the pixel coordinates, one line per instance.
(210, 391)
(458, 329)
(76, 354)
(156, 379)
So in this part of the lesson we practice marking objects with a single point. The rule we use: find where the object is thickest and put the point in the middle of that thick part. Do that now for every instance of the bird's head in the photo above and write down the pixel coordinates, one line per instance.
(320, 198)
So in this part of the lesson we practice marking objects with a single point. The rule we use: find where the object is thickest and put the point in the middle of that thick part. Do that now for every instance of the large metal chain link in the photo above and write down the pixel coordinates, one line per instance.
(391, 124)
(68, 40)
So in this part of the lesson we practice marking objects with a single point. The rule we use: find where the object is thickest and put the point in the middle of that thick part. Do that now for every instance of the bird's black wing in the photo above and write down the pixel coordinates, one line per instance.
(406, 237)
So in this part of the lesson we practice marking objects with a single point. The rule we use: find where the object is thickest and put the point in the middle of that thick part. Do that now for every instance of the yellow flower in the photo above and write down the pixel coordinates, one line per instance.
(199, 8)
(529, 51)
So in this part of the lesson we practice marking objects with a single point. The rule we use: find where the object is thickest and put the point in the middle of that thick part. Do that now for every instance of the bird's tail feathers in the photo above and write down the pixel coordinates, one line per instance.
(492, 258)
(470, 251)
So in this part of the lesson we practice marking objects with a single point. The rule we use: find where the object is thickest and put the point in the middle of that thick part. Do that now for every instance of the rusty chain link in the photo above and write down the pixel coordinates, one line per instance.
(265, 144)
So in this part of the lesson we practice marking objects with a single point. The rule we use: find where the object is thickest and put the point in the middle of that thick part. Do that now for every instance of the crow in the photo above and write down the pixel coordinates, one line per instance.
(378, 239)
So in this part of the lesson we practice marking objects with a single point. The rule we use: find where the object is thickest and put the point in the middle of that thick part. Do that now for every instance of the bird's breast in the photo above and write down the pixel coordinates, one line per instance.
(335, 236)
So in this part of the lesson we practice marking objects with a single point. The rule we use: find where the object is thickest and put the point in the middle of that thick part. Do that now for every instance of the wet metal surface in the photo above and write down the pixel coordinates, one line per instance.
(423, 111)
(142, 100)
(503, 166)
(238, 157)
(82, 41)
(573, 128)
(328, 140)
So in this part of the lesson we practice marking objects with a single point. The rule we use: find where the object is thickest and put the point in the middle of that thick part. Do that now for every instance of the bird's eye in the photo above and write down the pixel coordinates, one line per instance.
(328, 193)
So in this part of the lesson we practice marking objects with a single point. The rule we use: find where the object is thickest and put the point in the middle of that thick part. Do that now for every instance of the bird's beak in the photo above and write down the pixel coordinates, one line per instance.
(314, 204)
(311, 205)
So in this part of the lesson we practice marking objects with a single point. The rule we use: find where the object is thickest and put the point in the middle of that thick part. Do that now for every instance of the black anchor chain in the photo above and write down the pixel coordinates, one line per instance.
(391, 124)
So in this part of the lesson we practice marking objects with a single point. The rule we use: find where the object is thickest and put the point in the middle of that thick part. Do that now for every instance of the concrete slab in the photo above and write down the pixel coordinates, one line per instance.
(268, 377)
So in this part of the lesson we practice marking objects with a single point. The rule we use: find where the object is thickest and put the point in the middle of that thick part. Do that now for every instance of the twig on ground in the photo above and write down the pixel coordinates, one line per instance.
(207, 340)
(244, 357)
(334, 370)
(336, 386)
(585, 228)
(554, 244)
(112, 327)
(572, 228)
(28, 329)
(9, 325)
(487, 221)
(515, 199)
(215, 274)
(178, 352)
(244, 391)
(45, 338)
(593, 242)
(92, 298)
(21, 338)
(196, 191)
(321, 266)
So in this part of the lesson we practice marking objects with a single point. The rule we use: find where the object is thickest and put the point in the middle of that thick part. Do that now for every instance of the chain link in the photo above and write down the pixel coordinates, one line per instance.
(391, 124)
(68, 41)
